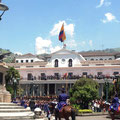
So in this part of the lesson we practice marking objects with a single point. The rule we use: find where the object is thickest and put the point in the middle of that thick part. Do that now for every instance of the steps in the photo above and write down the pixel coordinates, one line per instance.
(11, 111)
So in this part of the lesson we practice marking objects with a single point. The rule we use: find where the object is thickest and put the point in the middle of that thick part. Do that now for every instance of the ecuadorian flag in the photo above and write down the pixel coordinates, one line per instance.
(62, 35)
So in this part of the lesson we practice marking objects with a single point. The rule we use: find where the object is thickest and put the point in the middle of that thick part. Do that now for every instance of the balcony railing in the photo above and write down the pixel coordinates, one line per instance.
(72, 77)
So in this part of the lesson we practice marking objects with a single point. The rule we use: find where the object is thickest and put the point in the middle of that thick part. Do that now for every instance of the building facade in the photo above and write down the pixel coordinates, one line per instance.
(63, 68)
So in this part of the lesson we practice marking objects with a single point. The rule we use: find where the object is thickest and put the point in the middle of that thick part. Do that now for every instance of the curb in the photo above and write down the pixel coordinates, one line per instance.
(92, 114)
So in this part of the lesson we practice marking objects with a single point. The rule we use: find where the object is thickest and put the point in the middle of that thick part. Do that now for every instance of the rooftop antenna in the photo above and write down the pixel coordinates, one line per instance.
(102, 46)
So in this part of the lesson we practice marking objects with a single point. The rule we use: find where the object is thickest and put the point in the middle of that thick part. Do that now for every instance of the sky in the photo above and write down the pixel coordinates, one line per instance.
(33, 26)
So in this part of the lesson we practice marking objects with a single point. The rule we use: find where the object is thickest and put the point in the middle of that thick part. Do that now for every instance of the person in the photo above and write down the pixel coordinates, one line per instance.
(32, 104)
(115, 103)
(62, 98)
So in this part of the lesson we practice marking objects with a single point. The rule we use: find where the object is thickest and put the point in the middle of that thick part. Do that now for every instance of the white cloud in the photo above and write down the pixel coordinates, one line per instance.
(71, 43)
(82, 43)
(42, 45)
(107, 4)
(90, 43)
(103, 2)
(69, 28)
(55, 49)
(109, 18)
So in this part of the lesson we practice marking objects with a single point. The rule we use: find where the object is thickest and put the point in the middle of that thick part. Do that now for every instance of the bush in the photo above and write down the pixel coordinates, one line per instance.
(85, 111)
(76, 106)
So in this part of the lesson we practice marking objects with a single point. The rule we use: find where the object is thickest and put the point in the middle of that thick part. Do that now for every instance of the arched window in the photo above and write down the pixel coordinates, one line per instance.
(92, 59)
(29, 76)
(56, 63)
(70, 63)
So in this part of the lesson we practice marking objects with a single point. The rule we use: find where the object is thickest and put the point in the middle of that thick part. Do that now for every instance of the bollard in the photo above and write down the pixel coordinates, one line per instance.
(37, 112)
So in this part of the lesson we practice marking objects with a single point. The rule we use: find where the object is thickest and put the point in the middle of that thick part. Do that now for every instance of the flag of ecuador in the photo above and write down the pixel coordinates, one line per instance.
(62, 36)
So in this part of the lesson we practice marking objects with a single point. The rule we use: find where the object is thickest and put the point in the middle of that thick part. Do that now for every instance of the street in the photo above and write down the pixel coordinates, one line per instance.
(104, 117)
(101, 117)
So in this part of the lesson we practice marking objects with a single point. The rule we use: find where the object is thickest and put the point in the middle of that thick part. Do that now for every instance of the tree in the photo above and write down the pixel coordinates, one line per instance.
(84, 91)
(12, 74)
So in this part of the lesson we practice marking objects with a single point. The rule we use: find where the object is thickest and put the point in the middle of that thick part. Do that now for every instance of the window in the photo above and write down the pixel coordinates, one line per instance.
(31, 60)
(101, 59)
(26, 61)
(57, 76)
(99, 73)
(29, 66)
(70, 75)
(92, 59)
(16, 61)
(21, 61)
(1, 78)
(110, 58)
(56, 63)
(43, 76)
(30, 76)
(115, 73)
(70, 63)
(17, 66)
(84, 73)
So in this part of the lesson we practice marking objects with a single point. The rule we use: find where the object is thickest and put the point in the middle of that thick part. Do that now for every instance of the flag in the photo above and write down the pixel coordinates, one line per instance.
(65, 75)
(62, 35)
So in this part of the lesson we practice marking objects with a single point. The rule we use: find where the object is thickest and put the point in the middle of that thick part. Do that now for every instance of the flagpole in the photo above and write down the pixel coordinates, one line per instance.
(66, 85)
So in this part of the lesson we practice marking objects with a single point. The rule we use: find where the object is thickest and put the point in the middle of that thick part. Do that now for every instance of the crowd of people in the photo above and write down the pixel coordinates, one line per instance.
(34, 101)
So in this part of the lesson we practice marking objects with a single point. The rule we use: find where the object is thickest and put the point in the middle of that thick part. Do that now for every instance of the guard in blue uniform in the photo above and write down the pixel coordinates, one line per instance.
(62, 99)
(61, 102)
(115, 103)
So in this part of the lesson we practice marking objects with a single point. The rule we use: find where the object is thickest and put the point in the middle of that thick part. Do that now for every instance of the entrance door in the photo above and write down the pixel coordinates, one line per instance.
(1, 78)
(51, 89)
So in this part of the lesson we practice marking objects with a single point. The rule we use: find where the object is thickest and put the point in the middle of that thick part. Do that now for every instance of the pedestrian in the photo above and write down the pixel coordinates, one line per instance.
(32, 104)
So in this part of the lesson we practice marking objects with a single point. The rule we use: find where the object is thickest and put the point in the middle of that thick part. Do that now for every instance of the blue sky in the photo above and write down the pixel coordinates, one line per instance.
(33, 26)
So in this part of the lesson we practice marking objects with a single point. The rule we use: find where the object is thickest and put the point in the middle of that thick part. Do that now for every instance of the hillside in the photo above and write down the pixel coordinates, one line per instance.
(11, 57)
(8, 56)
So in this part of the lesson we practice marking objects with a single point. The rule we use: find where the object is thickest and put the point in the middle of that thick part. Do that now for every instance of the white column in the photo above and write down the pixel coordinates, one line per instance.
(47, 89)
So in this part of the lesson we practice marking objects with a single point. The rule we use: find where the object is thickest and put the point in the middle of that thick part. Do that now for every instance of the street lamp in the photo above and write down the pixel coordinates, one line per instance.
(15, 85)
(3, 8)
(117, 83)
(106, 88)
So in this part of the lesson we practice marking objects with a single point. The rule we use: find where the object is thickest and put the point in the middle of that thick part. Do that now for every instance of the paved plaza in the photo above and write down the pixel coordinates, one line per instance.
(101, 117)
(104, 117)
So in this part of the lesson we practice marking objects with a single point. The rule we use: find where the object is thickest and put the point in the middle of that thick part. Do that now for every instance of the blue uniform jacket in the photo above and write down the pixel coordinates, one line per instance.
(62, 100)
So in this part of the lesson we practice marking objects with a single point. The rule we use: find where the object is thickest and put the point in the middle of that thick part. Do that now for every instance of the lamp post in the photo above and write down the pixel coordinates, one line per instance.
(116, 84)
(106, 88)
(3, 8)
(15, 85)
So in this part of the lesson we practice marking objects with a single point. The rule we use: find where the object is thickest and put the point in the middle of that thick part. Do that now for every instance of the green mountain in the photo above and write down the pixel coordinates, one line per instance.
(6, 55)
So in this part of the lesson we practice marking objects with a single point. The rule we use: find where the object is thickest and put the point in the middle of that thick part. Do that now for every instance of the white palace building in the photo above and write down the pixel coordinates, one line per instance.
(45, 75)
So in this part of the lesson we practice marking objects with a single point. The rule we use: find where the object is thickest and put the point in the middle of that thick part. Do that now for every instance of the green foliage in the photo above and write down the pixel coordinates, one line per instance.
(110, 88)
(10, 89)
(19, 91)
(12, 73)
(76, 106)
(84, 91)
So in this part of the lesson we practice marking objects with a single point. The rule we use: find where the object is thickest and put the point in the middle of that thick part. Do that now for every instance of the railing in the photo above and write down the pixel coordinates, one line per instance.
(72, 77)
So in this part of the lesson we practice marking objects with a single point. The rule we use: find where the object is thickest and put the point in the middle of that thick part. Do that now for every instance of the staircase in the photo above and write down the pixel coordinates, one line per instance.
(11, 111)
